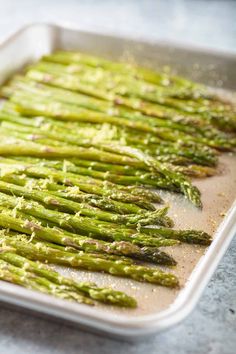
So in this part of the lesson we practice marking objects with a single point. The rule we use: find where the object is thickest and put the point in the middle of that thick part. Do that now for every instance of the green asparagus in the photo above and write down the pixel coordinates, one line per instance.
(96, 229)
(149, 218)
(84, 141)
(12, 274)
(90, 290)
(42, 252)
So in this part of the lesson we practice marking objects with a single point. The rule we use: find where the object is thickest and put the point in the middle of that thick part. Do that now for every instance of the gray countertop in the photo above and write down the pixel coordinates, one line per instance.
(211, 328)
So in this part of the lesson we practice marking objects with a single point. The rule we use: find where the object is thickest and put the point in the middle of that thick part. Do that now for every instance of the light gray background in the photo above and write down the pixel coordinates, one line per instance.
(211, 328)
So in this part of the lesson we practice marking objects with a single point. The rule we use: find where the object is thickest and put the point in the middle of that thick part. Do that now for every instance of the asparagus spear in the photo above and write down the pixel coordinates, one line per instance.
(147, 254)
(72, 193)
(84, 153)
(71, 82)
(173, 180)
(183, 184)
(145, 160)
(138, 192)
(12, 274)
(53, 134)
(139, 177)
(125, 86)
(197, 154)
(42, 252)
(105, 295)
(162, 152)
(200, 154)
(31, 105)
(29, 88)
(163, 156)
(121, 68)
(149, 218)
(93, 228)
(189, 169)
(149, 179)
(188, 236)
(61, 111)
(89, 186)
(106, 107)
(121, 176)
(143, 75)
(51, 138)
(193, 90)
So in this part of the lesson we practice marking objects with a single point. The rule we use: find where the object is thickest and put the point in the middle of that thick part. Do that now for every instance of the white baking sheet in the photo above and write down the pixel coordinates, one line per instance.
(158, 307)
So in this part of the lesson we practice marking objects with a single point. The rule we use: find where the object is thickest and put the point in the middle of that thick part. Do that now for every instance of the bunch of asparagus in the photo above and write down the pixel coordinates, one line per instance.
(86, 144)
